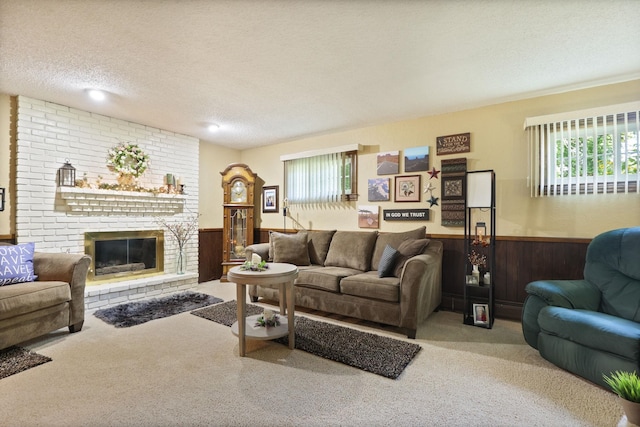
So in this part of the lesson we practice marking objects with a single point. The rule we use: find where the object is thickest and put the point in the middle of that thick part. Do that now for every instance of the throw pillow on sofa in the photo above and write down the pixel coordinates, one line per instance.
(16, 264)
(290, 248)
(387, 264)
(319, 242)
(408, 249)
(393, 239)
(351, 249)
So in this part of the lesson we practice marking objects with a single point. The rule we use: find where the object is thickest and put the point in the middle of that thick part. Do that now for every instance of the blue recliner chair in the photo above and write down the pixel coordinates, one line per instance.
(591, 327)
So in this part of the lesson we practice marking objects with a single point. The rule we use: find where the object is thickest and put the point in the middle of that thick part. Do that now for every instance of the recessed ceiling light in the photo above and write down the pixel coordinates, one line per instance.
(214, 127)
(97, 95)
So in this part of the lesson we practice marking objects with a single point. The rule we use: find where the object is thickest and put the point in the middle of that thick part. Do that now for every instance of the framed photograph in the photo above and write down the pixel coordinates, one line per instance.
(378, 189)
(416, 159)
(480, 314)
(388, 163)
(368, 216)
(270, 199)
(471, 280)
(407, 188)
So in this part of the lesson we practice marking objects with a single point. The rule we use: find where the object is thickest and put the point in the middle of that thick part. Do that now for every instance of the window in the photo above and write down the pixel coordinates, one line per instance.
(321, 177)
(589, 152)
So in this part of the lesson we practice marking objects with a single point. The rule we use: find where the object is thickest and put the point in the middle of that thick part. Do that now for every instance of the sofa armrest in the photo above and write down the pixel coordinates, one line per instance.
(69, 268)
(421, 286)
(579, 294)
(261, 249)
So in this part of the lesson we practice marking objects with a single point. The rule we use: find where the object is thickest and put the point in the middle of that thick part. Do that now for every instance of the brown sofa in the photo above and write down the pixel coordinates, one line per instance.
(55, 300)
(339, 272)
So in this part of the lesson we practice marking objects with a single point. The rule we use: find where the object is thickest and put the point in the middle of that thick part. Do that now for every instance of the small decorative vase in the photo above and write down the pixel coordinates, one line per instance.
(631, 410)
(181, 262)
(476, 273)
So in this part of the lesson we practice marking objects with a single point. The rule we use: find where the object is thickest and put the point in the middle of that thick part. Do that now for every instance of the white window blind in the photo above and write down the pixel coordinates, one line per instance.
(320, 178)
(585, 152)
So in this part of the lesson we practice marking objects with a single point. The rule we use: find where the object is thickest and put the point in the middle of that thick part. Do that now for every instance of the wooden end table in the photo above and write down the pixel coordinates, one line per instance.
(278, 274)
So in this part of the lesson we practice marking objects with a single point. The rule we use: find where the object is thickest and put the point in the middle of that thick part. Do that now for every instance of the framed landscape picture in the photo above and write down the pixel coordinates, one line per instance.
(416, 159)
(407, 188)
(270, 199)
(388, 163)
(368, 216)
(378, 189)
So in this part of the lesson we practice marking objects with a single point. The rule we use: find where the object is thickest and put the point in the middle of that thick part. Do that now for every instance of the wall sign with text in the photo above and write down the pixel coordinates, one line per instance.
(453, 144)
(406, 214)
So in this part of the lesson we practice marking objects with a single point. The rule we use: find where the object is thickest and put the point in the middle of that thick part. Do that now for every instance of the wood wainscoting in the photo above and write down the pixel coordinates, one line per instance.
(519, 260)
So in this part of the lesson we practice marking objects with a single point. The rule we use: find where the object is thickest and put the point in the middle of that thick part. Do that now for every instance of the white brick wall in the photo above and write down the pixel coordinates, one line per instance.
(49, 133)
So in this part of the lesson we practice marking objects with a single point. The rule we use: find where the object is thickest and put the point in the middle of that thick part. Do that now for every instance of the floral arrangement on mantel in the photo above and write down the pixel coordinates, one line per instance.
(477, 259)
(268, 319)
(181, 231)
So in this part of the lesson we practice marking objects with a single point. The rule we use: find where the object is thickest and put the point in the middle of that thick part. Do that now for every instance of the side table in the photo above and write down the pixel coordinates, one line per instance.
(278, 274)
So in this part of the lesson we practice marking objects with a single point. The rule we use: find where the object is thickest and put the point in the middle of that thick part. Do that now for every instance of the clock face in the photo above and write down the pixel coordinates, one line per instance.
(238, 192)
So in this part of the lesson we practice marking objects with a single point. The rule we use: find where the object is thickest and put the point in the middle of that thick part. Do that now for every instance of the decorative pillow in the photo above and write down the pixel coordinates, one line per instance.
(408, 249)
(387, 263)
(290, 248)
(351, 249)
(319, 242)
(394, 239)
(16, 264)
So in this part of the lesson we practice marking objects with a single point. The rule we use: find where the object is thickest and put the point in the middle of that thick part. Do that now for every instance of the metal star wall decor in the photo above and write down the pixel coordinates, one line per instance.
(433, 201)
(430, 188)
(434, 173)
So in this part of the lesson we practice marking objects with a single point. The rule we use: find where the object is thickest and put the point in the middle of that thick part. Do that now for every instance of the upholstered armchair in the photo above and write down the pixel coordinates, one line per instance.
(591, 327)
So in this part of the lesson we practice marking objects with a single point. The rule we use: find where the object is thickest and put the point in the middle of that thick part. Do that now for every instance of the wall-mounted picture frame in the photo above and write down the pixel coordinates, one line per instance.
(453, 187)
(480, 314)
(378, 189)
(368, 216)
(388, 163)
(270, 199)
(416, 159)
(407, 188)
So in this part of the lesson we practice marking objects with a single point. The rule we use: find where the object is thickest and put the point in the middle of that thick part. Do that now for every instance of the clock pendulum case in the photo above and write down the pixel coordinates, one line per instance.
(238, 182)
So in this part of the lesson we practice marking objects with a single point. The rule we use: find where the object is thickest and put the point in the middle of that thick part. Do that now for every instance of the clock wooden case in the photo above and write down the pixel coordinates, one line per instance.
(238, 183)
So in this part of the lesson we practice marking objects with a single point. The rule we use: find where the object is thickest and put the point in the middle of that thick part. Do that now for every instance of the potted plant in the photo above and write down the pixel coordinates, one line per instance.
(627, 386)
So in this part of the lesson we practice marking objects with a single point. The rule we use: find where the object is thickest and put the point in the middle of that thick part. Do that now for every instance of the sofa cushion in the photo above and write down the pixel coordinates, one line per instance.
(408, 249)
(393, 239)
(16, 264)
(32, 296)
(325, 278)
(290, 248)
(369, 285)
(319, 242)
(387, 264)
(592, 329)
(351, 249)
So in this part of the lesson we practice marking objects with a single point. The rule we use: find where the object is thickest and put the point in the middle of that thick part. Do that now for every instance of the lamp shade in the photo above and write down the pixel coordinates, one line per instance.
(67, 175)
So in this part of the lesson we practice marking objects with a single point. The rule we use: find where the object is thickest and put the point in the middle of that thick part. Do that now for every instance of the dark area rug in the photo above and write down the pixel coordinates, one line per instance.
(17, 359)
(136, 313)
(363, 350)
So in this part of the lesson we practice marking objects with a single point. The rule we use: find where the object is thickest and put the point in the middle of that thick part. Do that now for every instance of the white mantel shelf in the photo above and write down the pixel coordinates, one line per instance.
(89, 201)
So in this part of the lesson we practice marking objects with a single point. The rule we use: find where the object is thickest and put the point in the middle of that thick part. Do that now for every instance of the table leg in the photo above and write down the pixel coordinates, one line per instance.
(283, 297)
(241, 290)
(290, 314)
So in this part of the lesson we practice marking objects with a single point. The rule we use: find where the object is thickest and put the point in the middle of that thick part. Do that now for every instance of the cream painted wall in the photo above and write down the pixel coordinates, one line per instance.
(213, 160)
(497, 142)
(5, 144)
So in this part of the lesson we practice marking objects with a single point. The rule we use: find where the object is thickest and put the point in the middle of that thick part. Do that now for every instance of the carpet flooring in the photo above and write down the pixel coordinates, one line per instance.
(136, 313)
(373, 353)
(17, 359)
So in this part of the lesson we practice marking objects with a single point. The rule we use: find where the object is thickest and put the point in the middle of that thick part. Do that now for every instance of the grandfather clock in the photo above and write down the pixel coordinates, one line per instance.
(238, 182)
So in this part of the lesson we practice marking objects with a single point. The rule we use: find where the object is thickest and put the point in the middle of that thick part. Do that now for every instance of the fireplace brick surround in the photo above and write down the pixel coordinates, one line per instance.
(46, 135)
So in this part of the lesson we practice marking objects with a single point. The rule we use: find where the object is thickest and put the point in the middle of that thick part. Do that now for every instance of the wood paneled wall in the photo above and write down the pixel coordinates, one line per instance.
(519, 260)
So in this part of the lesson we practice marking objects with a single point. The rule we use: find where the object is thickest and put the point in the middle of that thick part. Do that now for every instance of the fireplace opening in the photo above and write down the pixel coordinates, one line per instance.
(120, 255)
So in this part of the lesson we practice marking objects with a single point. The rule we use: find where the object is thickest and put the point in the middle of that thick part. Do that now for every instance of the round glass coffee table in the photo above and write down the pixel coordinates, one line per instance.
(279, 275)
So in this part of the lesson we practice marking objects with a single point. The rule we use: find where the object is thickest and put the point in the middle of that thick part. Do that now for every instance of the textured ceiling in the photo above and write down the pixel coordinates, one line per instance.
(272, 71)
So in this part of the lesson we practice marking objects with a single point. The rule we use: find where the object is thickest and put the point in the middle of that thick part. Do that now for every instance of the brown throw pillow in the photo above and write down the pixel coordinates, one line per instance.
(351, 249)
(319, 242)
(290, 248)
(408, 249)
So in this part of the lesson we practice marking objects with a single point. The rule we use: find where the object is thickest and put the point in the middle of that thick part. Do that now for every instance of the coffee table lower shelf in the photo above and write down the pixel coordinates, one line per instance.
(260, 333)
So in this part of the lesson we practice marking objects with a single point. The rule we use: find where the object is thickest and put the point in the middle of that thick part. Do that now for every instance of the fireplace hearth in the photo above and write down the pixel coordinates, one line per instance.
(123, 255)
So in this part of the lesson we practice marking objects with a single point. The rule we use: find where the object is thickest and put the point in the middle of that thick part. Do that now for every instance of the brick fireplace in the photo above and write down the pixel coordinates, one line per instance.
(56, 219)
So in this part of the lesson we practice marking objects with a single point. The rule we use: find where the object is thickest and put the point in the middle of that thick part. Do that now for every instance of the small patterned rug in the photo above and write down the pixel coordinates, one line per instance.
(136, 313)
(17, 359)
(363, 350)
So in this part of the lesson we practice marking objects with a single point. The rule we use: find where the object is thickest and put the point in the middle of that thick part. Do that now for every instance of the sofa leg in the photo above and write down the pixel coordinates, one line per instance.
(76, 328)
(254, 299)
(411, 334)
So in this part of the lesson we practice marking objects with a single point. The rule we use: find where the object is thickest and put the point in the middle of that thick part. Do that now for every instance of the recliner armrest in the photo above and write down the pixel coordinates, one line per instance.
(576, 294)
